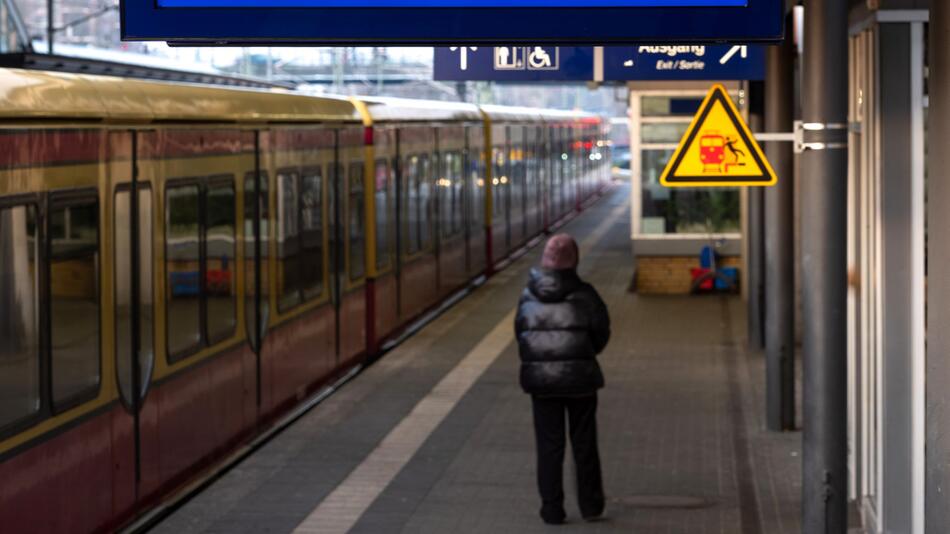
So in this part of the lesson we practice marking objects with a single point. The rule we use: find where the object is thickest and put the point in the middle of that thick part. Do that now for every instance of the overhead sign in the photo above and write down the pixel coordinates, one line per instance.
(451, 3)
(717, 149)
(684, 62)
(513, 63)
(451, 22)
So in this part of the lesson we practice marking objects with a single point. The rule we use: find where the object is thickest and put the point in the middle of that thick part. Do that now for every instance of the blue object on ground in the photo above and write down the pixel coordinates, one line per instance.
(707, 258)
(727, 273)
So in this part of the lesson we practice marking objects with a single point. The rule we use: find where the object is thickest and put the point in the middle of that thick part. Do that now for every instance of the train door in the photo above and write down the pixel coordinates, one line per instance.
(349, 232)
(132, 225)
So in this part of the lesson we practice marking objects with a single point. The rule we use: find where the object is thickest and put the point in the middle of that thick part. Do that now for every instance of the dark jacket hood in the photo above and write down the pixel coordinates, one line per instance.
(553, 286)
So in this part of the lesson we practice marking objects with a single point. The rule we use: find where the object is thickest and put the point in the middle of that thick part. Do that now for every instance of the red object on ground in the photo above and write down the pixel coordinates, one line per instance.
(697, 272)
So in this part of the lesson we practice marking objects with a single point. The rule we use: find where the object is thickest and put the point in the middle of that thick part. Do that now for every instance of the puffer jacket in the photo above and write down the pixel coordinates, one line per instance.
(561, 325)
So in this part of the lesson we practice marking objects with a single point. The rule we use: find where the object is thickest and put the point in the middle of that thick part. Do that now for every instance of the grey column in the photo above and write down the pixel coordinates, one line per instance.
(938, 284)
(755, 240)
(779, 241)
(896, 101)
(824, 278)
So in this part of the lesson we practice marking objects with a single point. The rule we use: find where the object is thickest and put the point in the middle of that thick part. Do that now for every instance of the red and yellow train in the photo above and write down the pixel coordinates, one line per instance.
(182, 265)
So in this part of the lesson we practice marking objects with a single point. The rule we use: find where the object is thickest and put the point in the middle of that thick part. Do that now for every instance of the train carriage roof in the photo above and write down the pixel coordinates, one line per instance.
(30, 95)
(384, 109)
(511, 113)
(526, 114)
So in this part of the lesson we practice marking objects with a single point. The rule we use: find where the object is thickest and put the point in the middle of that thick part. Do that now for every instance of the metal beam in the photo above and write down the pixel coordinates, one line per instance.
(938, 285)
(780, 240)
(824, 267)
(755, 237)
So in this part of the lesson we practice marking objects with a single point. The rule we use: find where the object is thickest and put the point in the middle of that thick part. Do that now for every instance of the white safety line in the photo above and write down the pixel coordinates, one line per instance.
(343, 507)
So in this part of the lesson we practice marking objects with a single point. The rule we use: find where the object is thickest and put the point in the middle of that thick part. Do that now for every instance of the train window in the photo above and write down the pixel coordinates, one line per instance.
(516, 168)
(219, 279)
(476, 185)
(251, 251)
(499, 176)
(183, 268)
(311, 234)
(445, 195)
(288, 240)
(19, 351)
(425, 204)
(458, 186)
(411, 203)
(451, 194)
(384, 213)
(357, 216)
(122, 251)
(74, 298)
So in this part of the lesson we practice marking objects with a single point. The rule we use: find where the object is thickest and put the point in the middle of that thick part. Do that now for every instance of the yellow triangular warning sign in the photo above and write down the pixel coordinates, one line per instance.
(717, 149)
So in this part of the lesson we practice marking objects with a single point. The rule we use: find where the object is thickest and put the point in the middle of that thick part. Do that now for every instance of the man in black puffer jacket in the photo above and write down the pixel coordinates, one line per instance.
(562, 324)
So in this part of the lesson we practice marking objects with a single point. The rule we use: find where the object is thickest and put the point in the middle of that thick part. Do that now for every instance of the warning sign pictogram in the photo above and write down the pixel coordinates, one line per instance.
(717, 149)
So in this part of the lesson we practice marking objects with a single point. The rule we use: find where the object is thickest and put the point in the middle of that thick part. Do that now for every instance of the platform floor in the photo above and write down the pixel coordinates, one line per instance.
(437, 437)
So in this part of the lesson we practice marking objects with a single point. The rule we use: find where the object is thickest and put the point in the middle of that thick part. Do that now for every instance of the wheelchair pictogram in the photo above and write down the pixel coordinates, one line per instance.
(543, 58)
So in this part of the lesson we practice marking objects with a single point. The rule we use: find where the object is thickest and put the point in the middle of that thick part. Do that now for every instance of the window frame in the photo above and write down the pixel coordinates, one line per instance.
(67, 198)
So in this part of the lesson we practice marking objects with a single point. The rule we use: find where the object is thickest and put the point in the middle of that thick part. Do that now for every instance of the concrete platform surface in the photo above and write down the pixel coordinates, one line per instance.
(436, 437)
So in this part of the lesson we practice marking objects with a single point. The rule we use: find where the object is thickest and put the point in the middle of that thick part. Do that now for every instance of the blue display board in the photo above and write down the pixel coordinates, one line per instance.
(684, 62)
(451, 22)
(620, 63)
(451, 3)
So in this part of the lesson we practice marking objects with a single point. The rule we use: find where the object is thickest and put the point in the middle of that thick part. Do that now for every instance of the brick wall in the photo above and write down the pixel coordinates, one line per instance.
(670, 275)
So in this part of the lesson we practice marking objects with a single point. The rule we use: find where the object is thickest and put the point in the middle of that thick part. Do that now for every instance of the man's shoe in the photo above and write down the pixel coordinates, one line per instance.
(553, 516)
(594, 517)
(595, 513)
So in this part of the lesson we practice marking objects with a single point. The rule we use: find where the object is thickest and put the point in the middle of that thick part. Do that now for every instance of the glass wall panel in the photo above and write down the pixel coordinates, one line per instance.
(663, 132)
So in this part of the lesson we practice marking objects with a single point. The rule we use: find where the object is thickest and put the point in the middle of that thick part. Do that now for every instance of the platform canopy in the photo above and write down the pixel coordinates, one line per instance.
(450, 22)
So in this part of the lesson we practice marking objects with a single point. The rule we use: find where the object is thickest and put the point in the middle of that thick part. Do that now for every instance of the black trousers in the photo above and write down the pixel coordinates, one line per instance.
(549, 432)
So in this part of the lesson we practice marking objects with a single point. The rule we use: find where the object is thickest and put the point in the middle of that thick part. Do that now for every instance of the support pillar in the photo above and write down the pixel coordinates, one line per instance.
(824, 267)
(780, 240)
(755, 237)
(937, 476)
